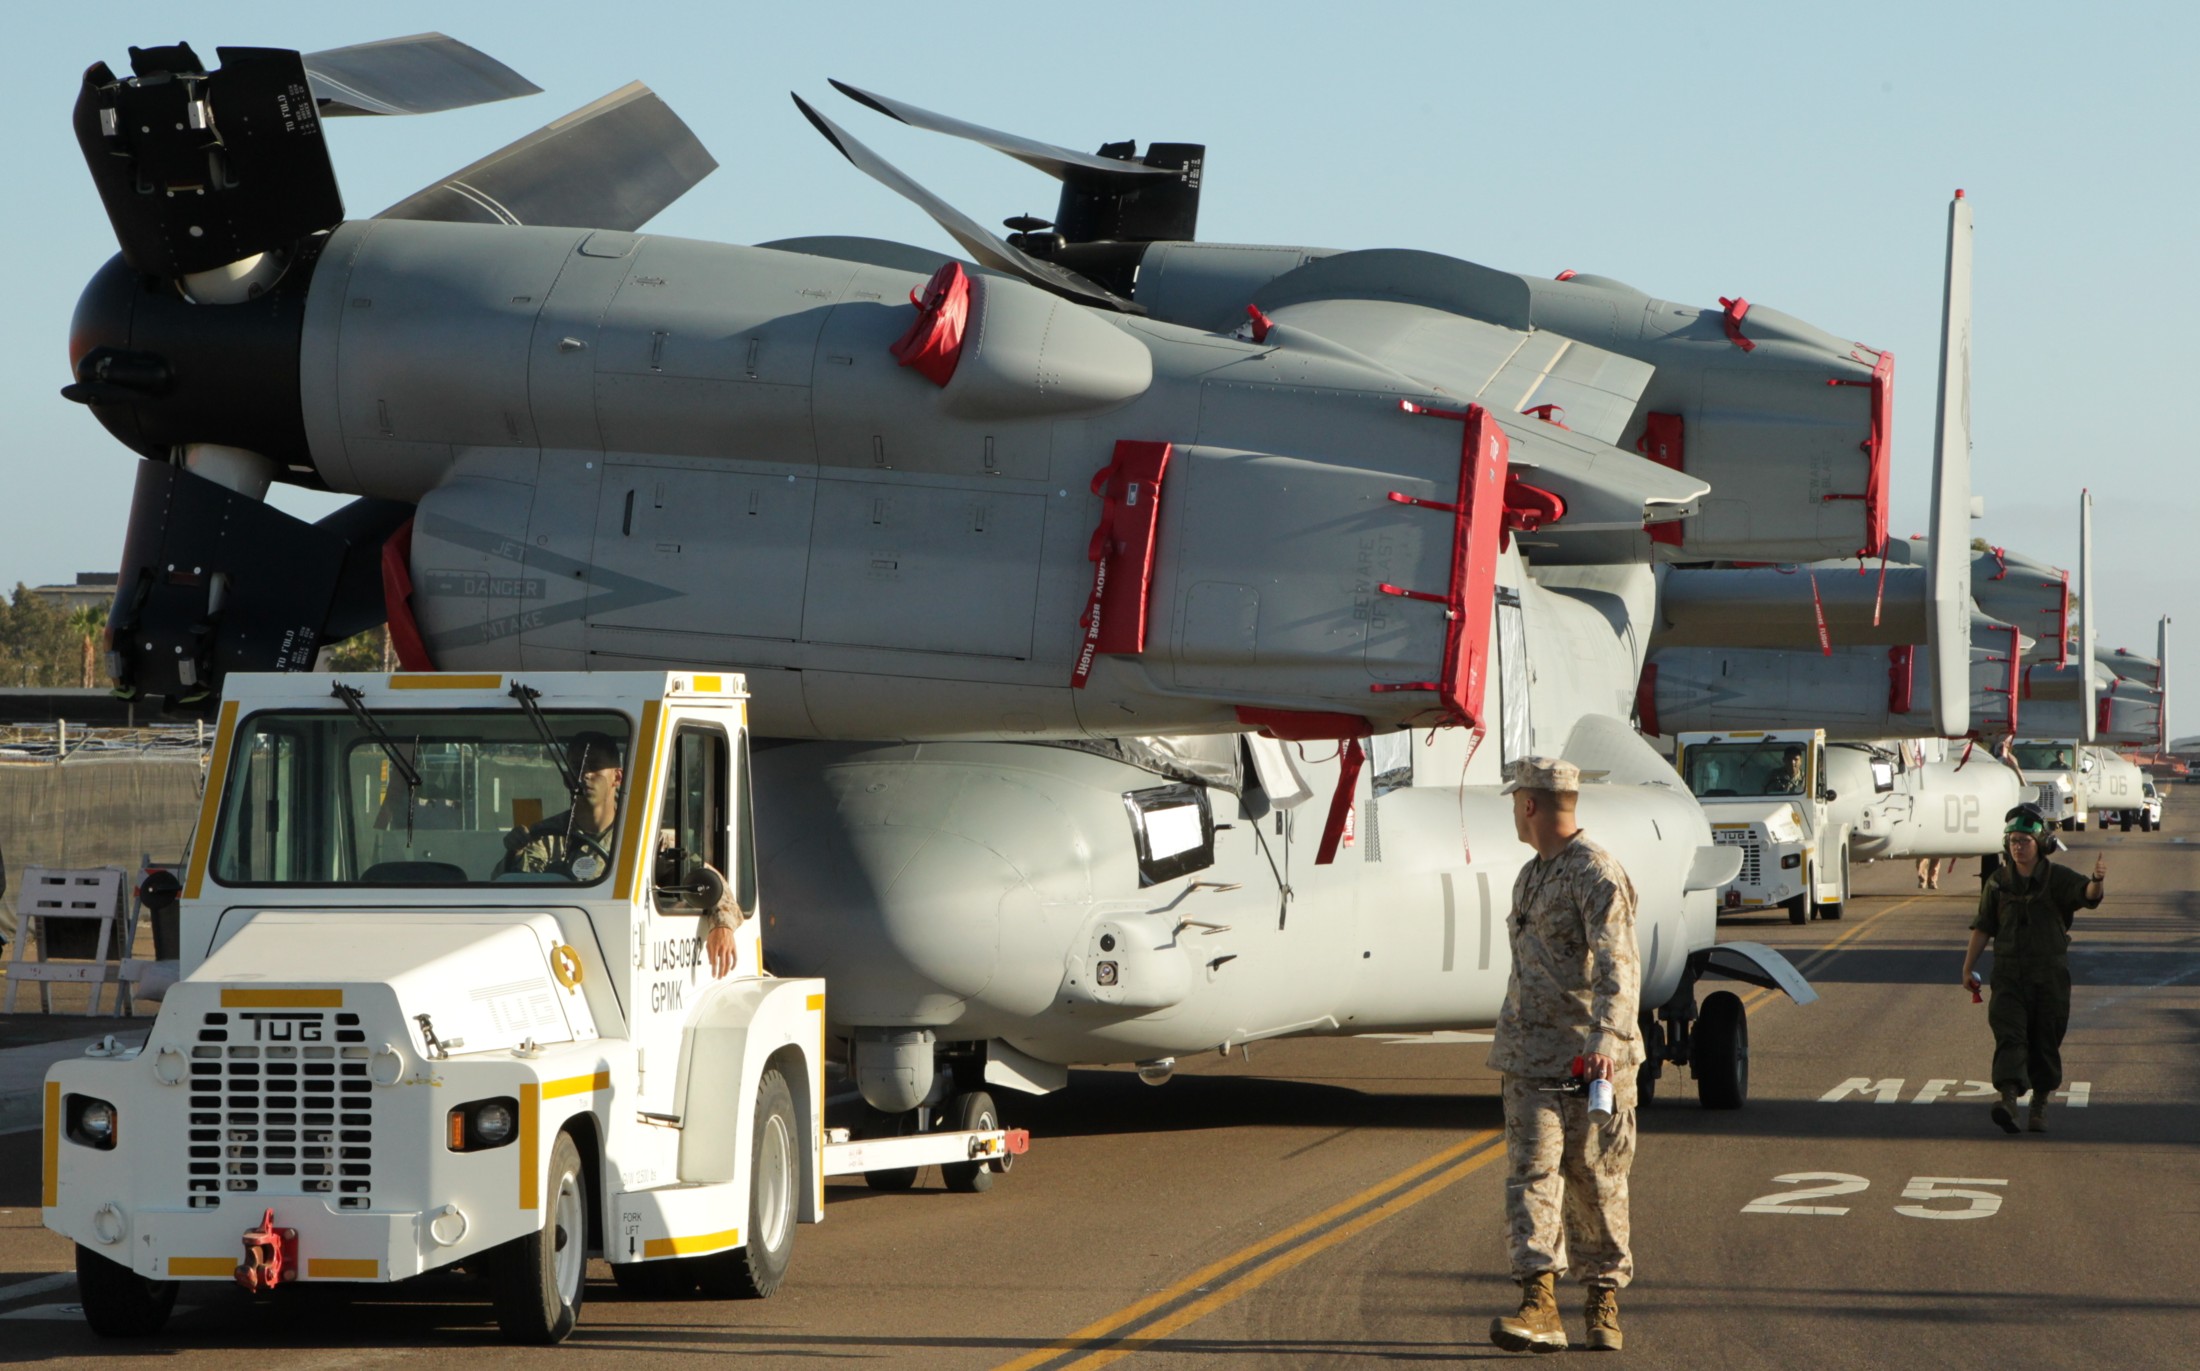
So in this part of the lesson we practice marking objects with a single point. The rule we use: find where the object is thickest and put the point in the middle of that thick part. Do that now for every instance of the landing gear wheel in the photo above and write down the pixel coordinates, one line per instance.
(754, 1270)
(2126, 823)
(1798, 909)
(891, 1126)
(118, 1302)
(970, 1113)
(1719, 1057)
(1654, 1043)
(536, 1282)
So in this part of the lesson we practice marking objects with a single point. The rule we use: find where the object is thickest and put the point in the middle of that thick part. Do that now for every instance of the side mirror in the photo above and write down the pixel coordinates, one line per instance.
(698, 886)
(704, 886)
(1832, 795)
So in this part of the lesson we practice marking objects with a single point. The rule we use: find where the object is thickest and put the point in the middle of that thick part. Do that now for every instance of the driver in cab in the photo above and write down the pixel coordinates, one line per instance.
(578, 842)
(1788, 780)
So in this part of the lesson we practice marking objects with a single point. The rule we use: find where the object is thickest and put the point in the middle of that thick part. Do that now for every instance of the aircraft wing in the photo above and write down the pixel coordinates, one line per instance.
(1506, 370)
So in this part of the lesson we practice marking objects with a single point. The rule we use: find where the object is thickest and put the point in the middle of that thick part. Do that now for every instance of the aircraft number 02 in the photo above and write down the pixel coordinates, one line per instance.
(1962, 813)
(1978, 1203)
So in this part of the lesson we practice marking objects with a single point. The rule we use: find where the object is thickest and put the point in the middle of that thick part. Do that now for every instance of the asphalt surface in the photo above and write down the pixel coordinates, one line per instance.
(1336, 1203)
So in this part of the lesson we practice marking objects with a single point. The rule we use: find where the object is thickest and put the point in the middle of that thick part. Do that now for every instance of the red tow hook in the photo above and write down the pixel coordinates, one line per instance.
(270, 1255)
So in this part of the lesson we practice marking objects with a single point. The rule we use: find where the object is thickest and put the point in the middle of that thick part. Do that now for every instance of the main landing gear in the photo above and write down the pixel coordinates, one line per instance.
(913, 1086)
(1711, 1040)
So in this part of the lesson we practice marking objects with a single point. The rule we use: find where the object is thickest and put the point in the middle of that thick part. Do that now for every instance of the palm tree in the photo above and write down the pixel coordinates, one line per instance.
(90, 624)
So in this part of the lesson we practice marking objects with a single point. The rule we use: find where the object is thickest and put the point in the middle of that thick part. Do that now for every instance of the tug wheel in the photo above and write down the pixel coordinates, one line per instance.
(755, 1270)
(537, 1281)
(118, 1302)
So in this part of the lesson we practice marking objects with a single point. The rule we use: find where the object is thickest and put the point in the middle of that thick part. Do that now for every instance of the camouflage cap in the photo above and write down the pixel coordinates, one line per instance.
(1543, 773)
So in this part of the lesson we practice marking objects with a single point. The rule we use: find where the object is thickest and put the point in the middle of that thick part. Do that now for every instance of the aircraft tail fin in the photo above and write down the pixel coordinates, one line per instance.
(2087, 721)
(1948, 573)
(2161, 679)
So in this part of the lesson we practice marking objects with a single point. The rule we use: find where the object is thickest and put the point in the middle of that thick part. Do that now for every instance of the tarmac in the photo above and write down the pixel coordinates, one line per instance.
(1337, 1202)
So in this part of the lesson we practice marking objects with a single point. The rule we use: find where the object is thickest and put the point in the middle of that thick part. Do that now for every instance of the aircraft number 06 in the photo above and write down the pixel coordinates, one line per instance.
(1978, 1204)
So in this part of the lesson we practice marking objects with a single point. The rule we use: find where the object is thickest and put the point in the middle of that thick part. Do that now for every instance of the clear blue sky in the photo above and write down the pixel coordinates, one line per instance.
(1801, 155)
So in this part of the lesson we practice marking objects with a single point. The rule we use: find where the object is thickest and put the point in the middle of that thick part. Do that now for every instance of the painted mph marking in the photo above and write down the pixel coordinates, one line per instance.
(2077, 1094)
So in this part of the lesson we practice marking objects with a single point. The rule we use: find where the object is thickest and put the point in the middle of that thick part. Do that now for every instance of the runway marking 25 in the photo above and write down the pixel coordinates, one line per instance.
(2077, 1094)
(1979, 1204)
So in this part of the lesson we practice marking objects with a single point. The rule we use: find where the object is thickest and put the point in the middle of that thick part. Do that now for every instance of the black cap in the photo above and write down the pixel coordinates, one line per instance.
(601, 749)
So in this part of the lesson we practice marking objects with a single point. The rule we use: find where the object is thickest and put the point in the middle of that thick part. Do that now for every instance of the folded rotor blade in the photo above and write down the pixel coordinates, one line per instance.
(422, 74)
(613, 164)
(987, 249)
(1059, 163)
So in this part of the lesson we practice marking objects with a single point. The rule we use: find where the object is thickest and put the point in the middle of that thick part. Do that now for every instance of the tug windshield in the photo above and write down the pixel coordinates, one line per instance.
(315, 798)
(2042, 756)
(1745, 769)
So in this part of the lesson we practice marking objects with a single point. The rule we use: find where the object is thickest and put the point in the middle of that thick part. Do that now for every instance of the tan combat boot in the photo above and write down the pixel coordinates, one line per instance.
(2005, 1111)
(2036, 1120)
(1602, 1314)
(1536, 1328)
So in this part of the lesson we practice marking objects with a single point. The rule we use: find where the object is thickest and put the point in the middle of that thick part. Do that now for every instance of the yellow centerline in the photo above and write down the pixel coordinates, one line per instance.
(1454, 1158)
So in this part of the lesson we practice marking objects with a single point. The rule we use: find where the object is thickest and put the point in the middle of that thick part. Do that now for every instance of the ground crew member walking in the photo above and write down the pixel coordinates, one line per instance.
(1576, 980)
(2027, 907)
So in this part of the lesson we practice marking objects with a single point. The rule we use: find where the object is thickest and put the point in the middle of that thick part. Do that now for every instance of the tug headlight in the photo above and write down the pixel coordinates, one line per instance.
(493, 1123)
(482, 1124)
(93, 1123)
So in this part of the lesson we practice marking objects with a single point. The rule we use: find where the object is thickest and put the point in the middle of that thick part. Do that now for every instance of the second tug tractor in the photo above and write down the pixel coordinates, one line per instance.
(437, 1008)
(1764, 791)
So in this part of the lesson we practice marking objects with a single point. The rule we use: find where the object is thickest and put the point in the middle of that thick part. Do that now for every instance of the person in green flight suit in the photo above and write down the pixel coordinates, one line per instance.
(2026, 907)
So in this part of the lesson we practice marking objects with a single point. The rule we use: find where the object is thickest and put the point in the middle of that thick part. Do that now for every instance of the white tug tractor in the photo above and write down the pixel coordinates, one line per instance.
(2050, 765)
(1764, 791)
(430, 1013)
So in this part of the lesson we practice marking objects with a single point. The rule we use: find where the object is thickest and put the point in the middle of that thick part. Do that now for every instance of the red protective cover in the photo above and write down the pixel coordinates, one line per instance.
(2101, 713)
(1303, 725)
(1661, 442)
(1877, 448)
(1349, 759)
(2062, 619)
(1646, 700)
(1901, 677)
(1122, 553)
(1477, 521)
(1737, 309)
(933, 344)
(397, 589)
(1528, 508)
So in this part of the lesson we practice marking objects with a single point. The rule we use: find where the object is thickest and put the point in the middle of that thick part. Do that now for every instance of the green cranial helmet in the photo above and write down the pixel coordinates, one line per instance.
(2023, 819)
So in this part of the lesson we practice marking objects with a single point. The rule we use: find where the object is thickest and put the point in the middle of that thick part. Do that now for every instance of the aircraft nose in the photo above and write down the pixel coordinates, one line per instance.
(905, 921)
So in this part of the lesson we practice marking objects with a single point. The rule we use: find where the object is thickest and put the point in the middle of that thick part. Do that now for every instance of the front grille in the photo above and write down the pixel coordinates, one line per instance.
(1752, 852)
(281, 1105)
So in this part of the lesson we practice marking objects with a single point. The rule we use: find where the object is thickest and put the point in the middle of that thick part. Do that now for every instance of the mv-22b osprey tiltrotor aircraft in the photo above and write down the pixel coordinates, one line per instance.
(1147, 622)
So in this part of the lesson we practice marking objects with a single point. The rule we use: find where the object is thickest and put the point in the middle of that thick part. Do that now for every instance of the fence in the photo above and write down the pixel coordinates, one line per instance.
(94, 811)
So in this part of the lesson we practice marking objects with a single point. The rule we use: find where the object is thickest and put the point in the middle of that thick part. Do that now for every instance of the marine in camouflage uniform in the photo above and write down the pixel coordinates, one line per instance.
(2028, 919)
(556, 843)
(1575, 985)
(581, 836)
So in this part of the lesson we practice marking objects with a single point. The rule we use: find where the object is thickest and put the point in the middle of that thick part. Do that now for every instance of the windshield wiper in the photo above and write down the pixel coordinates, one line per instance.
(527, 697)
(350, 696)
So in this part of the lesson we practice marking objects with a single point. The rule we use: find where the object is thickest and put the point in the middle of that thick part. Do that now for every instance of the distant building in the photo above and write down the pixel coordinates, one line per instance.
(93, 589)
